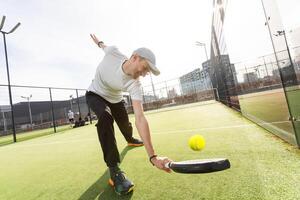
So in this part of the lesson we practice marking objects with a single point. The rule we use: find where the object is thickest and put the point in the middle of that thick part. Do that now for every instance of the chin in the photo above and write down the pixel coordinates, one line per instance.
(135, 76)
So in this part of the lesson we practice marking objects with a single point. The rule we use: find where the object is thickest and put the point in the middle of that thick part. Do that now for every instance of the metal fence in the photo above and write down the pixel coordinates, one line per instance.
(36, 108)
(39, 107)
(175, 92)
(267, 91)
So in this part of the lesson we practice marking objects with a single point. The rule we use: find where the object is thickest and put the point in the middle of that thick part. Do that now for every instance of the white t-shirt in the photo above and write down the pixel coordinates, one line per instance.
(110, 79)
(71, 115)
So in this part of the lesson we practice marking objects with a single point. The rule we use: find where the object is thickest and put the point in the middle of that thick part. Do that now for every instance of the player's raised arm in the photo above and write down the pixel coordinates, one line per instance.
(98, 42)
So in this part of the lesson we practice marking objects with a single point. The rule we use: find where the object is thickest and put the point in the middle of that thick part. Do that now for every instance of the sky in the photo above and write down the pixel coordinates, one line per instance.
(246, 35)
(52, 47)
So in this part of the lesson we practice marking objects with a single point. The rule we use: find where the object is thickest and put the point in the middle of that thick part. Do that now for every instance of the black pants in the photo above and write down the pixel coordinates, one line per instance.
(108, 112)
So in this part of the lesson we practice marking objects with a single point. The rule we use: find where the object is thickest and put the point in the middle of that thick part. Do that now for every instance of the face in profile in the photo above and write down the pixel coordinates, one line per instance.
(141, 67)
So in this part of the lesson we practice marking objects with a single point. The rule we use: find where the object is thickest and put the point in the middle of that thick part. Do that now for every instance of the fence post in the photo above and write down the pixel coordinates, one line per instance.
(216, 93)
(78, 103)
(52, 110)
(89, 111)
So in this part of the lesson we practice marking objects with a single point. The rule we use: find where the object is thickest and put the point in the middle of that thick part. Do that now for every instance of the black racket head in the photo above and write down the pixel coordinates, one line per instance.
(200, 166)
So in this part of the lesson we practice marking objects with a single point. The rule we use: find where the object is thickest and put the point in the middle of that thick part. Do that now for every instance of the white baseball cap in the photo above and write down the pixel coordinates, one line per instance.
(150, 57)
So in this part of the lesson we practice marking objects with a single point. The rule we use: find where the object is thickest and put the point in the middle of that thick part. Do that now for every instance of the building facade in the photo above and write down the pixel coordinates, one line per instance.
(195, 81)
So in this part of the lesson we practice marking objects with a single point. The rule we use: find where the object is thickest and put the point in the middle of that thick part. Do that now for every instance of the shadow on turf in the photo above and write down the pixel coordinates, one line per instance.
(101, 189)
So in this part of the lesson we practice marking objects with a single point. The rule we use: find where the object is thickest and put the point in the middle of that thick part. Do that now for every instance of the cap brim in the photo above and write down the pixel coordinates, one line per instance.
(153, 69)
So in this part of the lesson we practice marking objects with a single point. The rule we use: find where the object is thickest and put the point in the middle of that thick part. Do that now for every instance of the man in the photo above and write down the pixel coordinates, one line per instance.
(71, 117)
(114, 74)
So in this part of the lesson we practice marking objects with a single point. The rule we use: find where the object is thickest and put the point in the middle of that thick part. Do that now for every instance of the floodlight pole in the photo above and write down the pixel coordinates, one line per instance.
(29, 109)
(201, 44)
(153, 89)
(280, 33)
(7, 70)
(265, 66)
(71, 99)
(9, 90)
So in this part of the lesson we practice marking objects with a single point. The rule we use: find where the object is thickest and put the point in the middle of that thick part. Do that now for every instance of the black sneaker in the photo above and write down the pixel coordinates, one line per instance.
(135, 142)
(121, 184)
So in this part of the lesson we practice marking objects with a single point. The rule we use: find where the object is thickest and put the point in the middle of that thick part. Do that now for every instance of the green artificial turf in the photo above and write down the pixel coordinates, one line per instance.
(70, 165)
(4, 140)
(271, 106)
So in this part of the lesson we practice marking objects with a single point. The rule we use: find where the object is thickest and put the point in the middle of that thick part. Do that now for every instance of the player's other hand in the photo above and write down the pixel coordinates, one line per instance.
(160, 163)
(95, 39)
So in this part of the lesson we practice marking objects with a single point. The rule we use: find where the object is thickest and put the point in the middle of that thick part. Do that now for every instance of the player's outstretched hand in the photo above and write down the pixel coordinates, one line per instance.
(160, 163)
(95, 39)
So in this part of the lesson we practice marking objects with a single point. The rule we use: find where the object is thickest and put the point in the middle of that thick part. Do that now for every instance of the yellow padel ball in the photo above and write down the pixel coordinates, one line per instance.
(197, 142)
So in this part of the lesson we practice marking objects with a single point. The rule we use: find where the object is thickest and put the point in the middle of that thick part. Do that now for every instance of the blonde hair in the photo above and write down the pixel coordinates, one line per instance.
(147, 64)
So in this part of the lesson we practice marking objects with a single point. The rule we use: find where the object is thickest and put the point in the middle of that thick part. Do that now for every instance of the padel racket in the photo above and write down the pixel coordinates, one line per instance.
(199, 166)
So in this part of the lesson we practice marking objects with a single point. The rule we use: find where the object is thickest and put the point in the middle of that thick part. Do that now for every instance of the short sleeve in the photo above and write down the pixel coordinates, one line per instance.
(135, 90)
(114, 51)
(109, 49)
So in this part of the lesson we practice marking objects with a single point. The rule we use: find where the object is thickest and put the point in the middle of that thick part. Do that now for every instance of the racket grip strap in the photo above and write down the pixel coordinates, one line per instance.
(151, 157)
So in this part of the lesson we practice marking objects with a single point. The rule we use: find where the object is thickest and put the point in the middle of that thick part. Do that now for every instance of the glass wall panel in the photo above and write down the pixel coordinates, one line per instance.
(267, 82)
(284, 28)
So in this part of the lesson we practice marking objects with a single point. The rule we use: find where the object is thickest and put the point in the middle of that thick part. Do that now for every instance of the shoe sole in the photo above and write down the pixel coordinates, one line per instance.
(134, 145)
(111, 183)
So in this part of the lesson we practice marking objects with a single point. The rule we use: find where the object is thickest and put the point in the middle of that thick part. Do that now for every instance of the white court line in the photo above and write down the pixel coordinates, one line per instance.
(47, 143)
(215, 128)
(156, 133)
